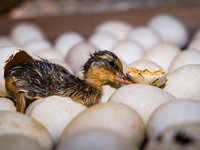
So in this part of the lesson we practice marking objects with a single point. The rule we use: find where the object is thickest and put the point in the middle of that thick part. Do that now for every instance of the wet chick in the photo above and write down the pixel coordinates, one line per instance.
(28, 81)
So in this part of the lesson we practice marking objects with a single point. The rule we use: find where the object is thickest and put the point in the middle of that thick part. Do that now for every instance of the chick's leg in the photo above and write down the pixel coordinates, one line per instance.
(19, 95)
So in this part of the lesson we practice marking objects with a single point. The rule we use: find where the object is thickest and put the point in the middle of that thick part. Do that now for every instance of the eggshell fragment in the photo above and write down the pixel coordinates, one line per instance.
(117, 28)
(128, 51)
(7, 104)
(142, 98)
(173, 113)
(19, 142)
(114, 117)
(97, 140)
(170, 29)
(66, 41)
(186, 57)
(21, 124)
(79, 54)
(54, 113)
(144, 36)
(184, 82)
(162, 54)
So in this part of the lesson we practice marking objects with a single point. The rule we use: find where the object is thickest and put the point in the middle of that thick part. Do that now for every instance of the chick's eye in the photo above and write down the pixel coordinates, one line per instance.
(111, 63)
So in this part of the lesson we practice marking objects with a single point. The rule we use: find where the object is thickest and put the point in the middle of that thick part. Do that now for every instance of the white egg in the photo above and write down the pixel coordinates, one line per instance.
(79, 54)
(184, 82)
(6, 41)
(19, 142)
(66, 41)
(38, 45)
(118, 28)
(113, 117)
(162, 54)
(103, 41)
(54, 113)
(7, 104)
(142, 98)
(97, 140)
(108, 90)
(185, 57)
(144, 36)
(25, 32)
(196, 34)
(173, 113)
(128, 51)
(21, 124)
(194, 44)
(170, 29)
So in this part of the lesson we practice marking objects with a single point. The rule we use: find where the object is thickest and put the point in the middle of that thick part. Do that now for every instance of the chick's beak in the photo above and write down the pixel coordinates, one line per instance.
(122, 78)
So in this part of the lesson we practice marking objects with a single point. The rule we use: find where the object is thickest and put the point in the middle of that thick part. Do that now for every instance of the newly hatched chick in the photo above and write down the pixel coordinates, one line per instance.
(28, 81)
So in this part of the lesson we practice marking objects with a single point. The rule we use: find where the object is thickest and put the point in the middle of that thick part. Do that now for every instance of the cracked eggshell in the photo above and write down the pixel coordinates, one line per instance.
(173, 113)
(98, 140)
(186, 136)
(79, 54)
(144, 36)
(184, 82)
(21, 124)
(54, 112)
(170, 29)
(7, 104)
(142, 98)
(162, 54)
(66, 41)
(114, 117)
(129, 51)
(117, 28)
(185, 57)
(19, 142)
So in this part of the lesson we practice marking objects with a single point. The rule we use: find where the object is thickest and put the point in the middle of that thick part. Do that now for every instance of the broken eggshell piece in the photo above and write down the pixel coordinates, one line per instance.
(155, 78)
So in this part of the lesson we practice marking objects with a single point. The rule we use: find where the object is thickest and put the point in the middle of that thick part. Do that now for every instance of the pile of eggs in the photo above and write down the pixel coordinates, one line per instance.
(129, 117)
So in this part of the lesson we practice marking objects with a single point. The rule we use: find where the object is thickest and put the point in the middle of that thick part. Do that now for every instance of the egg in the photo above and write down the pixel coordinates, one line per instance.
(117, 28)
(170, 29)
(196, 34)
(21, 124)
(97, 140)
(186, 57)
(19, 142)
(7, 104)
(66, 41)
(25, 32)
(162, 54)
(114, 117)
(79, 54)
(184, 82)
(144, 36)
(173, 113)
(103, 41)
(6, 41)
(142, 98)
(54, 112)
(194, 44)
(128, 51)
(108, 90)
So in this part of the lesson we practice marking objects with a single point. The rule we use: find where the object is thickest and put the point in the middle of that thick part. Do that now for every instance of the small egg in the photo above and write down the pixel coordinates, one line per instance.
(66, 41)
(103, 41)
(144, 36)
(54, 113)
(128, 51)
(142, 98)
(113, 117)
(19, 142)
(6, 41)
(173, 113)
(25, 32)
(185, 57)
(79, 54)
(21, 124)
(194, 44)
(196, 34)
(170, 29)
(108, 90)
(7, 104)
(162, 54)
(37, 46)
(97, 140)
(118, 28)
(184, 82)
